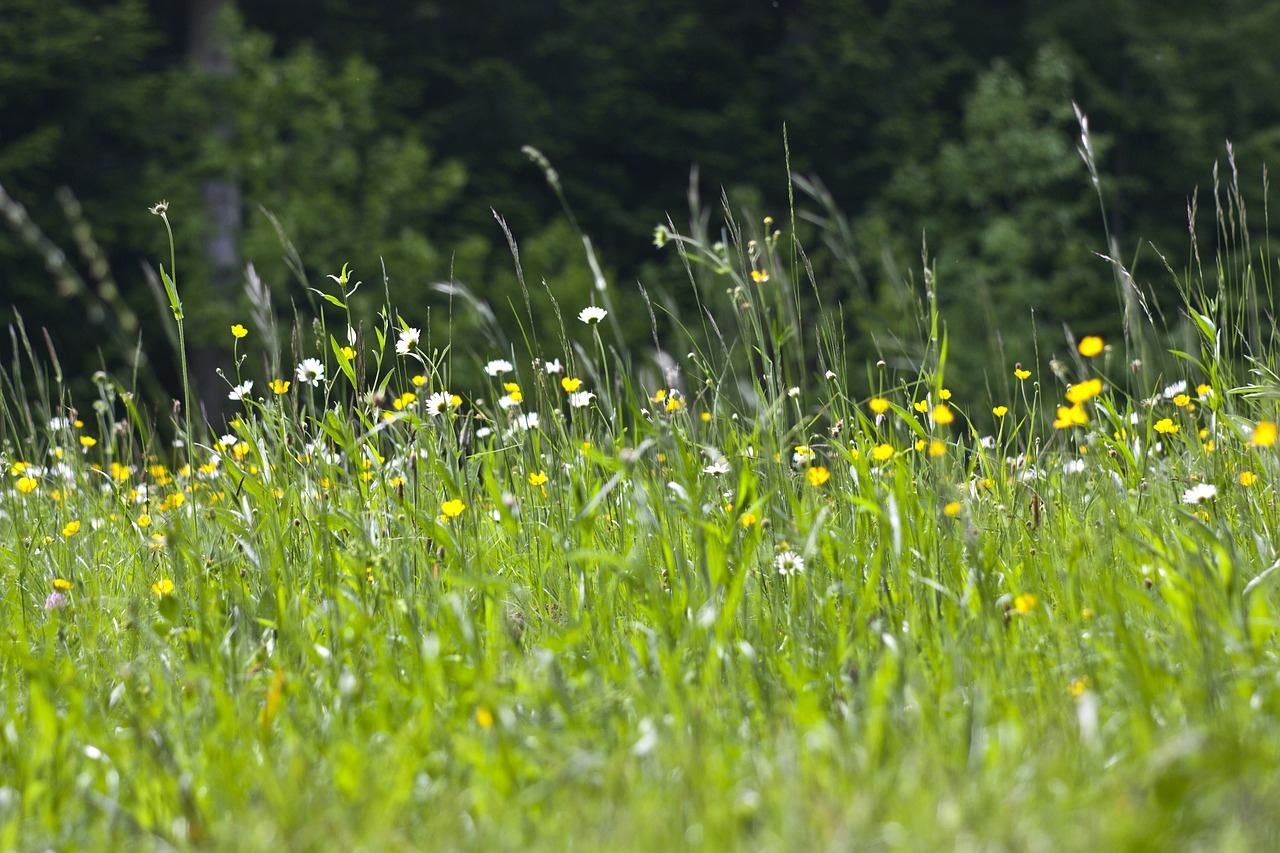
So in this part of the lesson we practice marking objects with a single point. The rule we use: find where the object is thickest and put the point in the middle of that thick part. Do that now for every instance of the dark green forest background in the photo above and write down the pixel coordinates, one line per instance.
(385, 135)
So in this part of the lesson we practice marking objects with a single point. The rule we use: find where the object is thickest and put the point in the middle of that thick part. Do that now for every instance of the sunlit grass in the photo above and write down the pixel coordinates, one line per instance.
(714, 599)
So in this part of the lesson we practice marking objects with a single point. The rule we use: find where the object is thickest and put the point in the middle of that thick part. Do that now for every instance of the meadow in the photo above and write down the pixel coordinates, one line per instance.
(706, 598)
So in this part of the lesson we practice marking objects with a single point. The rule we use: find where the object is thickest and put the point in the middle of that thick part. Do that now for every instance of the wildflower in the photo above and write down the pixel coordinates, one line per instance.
(1074, 416)
(879, 405)
(882, 452)
(817, 475)
(162, 587)
(1077, 687)
(759, 276)
(592, 314)
(279, 386)
(944, 394)
(453, 508)
(1264, 434)
(793, 391)
(239, 331)
(1199, 493)
(937, 448)
(1174, 390)
(942, 414)
(61, 584)
(1090, 346)
(1181, 400)
(553, 367)
(408, 340)
(239, 392)
(526, 422)
(748, 519)
(1166, 426)
(921, 406)
(497, 367)
(348, 353)
(26, 485)
(507, 401)
(1248, 478)
(1026, 602)
(705, 417)
(718, 467)
(1021, 374)
(1082, 391)
(418, 381)
(144, 520)
(952, 509)
(310, 371)
(70, 529)
(673, 403)
(484, 717)
(570, 384)
(1204, 390)
(538, 479)
(440, 401)
(1000, 411)
(789, 563)
(803, 455)
(404, 400)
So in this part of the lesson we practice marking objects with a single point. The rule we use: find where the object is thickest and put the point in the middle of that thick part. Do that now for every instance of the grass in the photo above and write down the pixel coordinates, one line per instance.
(723, 603)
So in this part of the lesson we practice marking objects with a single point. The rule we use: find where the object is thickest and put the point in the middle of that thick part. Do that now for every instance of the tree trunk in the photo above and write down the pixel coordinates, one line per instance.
(209, 52)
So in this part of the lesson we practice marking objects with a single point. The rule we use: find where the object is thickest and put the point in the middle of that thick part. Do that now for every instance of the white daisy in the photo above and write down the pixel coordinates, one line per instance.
(1175, 389)
(579, 399)
(497, 367)
(408, 340)
(438, 402)
(507, 401)
(789, 563)
(592, 314)
(311, 371)
(526, 422)
(241, 391)
(1199, 493)
(720, 466)
(554, 367)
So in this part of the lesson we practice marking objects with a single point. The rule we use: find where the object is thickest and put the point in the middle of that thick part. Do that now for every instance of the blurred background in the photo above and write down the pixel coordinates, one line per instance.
(302, 136)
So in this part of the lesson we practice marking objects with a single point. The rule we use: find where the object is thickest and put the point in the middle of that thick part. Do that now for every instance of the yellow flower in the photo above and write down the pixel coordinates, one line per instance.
(239, 331)
(706, 417)
(279, 386)
(1248, 478)
(1204, 389)
(71, 528)
(1022, 374)
(1071, 417)
(759, 276)
(484, 717)
(453, 508)
(920, 445)
(952, 509)
(1000, 411)
(1166, 426)
(921, 406)
(882, 452)
(162, 587)
(658, 396)
(144, 520)
(937, 448)
(419, 380)
(749, 519)
(538, 479)
(88, 440)
(879, 405)
(1024, 603)
(61, 584)
(817, 475)
(1181, 400)
(1264, 435)
(942, 414)
(1082, 391)
(1078, 686)
(1090, 346)
(26, 485)
(404, 400)
(803, 453)
(570, 383)
(348, 353)
(945, 394)
(673, 404)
